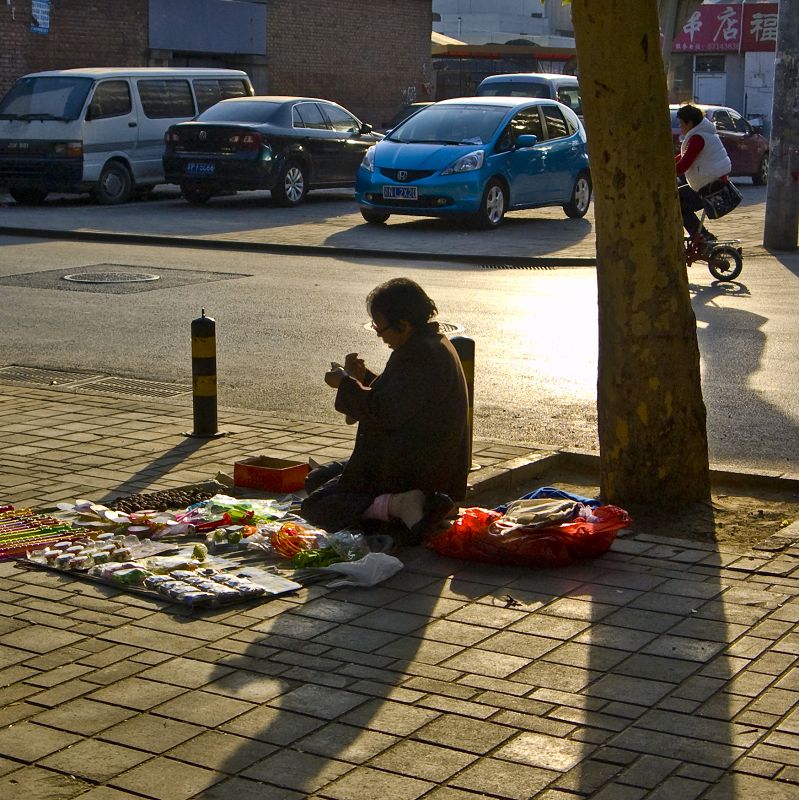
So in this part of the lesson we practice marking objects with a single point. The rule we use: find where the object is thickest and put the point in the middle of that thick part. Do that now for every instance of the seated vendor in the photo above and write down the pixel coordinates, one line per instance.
(411, 453)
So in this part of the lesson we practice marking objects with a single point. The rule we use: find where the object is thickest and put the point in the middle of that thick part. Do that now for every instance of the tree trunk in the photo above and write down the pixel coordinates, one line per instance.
(652, 435)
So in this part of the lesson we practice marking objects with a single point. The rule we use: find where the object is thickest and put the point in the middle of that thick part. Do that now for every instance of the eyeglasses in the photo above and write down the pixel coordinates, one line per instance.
(380, 331)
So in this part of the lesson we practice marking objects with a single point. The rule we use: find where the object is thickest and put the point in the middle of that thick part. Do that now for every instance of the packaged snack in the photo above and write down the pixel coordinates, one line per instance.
(130, 576)
(168, 564)
(199, 552)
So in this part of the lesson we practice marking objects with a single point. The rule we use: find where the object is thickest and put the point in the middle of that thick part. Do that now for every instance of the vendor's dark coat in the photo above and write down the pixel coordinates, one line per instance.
(412, 422)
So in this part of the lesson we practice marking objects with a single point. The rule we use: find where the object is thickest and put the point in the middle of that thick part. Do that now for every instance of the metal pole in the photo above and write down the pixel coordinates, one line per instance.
(203, 377)
(782, 195)
(464, 347)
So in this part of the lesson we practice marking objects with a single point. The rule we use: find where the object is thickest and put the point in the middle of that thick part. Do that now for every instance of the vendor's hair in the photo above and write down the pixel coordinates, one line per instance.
(689, 113)
(402, 299)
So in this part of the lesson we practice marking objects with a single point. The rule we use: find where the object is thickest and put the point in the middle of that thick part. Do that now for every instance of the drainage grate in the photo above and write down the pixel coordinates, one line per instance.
(516, 266)
(132, 386)
(447, 328)
(111, 277)
(47, 377)
(90, 382)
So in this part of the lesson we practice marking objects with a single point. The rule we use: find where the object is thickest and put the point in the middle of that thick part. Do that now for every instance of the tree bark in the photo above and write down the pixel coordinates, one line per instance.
(652, 433)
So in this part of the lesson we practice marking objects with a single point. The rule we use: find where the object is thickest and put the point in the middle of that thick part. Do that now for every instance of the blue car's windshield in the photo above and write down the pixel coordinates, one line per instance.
(46, 97)
(451, 124)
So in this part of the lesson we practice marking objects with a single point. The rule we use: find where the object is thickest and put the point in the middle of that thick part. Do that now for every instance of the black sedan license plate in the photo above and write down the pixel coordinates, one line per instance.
(400, 193)
(200, 168)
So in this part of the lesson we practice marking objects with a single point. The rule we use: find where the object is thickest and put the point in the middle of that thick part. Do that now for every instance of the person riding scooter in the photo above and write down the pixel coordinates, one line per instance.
(703, 162)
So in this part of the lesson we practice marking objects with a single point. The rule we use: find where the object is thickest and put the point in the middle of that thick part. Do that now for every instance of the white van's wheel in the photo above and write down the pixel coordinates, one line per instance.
(115, 185)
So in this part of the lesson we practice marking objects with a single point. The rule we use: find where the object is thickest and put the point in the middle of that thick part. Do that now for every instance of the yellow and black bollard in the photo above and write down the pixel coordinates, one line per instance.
(464, 347)
(203, 377)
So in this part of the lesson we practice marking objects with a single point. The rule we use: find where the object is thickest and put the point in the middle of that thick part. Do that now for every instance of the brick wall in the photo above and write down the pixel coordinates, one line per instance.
(372, 57)
(83, 33)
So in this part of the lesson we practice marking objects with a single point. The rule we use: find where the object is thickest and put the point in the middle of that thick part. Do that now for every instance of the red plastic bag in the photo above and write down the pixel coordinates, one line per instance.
(482, 535)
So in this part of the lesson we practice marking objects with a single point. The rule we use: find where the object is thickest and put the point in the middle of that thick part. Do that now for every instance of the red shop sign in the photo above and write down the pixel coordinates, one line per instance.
(721, 27)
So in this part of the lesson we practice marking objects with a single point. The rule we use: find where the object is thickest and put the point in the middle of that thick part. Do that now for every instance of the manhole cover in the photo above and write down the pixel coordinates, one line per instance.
(111, 277)
(447, 328)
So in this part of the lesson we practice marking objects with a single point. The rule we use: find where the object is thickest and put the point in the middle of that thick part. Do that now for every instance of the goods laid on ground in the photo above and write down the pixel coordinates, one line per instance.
(222, 549)
(22, 529)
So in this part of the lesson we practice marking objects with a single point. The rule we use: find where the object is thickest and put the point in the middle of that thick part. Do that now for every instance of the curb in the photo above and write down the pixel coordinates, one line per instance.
(148, 240)
(508, 474)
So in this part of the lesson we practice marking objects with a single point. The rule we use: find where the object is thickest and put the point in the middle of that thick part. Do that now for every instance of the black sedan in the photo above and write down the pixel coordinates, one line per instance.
(285, 144)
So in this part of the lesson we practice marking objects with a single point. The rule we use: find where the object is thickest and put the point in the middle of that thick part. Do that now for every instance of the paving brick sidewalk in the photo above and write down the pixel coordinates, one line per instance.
(663, 670)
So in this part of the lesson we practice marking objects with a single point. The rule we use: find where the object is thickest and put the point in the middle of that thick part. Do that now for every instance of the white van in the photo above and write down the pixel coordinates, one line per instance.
(101, 129)
(555, 86)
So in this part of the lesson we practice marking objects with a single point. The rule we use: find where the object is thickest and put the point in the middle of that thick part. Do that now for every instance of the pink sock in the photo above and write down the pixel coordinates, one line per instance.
(378, 509)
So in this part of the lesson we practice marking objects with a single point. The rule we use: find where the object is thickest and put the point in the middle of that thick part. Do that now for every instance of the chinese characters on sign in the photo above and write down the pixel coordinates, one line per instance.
(729, 28)
(40, 16)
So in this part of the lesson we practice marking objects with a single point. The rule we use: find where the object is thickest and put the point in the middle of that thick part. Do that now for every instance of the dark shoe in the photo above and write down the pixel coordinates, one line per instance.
(707, 236)
(437, 507)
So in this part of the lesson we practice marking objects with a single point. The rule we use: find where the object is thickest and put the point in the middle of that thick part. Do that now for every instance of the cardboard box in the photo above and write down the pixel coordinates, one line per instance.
(270, 474)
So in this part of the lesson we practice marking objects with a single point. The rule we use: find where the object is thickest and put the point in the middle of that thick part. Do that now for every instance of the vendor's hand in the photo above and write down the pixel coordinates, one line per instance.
(355, 367)
(334, 377)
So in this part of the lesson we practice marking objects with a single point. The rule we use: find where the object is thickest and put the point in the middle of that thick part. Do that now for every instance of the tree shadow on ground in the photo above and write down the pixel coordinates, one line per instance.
(502, 681)
(733, 342)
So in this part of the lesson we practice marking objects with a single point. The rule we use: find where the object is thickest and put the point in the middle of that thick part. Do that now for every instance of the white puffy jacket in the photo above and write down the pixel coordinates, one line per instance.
(712, 162)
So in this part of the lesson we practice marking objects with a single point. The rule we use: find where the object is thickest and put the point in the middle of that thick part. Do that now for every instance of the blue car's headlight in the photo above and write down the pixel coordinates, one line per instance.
(368, 162)
(467, 163)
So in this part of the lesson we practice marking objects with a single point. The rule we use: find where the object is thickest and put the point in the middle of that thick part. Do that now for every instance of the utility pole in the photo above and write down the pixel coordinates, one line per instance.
(782, 196)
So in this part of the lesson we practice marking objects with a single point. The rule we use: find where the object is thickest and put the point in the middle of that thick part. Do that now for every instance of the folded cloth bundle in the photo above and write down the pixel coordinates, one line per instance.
(540, 513)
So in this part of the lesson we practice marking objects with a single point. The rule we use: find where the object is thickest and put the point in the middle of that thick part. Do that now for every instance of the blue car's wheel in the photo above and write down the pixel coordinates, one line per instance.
(581, 197)
(492, 206)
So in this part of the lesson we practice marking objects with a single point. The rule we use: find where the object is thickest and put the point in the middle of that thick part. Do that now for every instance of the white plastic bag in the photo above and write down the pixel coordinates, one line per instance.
(370, 570)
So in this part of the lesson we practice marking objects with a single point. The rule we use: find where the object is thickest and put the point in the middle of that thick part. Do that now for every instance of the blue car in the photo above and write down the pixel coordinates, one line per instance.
(478, 157)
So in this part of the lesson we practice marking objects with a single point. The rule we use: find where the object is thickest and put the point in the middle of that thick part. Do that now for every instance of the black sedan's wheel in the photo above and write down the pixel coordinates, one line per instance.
(492, 206)
(581, 197)
(374, 217)
(760, 178)
(28, 197)
(195, 195)
(115, 185)
(292, 184)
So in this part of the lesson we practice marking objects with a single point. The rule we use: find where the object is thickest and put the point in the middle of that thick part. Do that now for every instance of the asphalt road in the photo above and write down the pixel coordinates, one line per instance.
(281, 320)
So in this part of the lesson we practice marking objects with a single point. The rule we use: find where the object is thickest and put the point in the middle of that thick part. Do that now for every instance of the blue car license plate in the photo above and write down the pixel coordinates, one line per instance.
(200, 168)
(400, 193)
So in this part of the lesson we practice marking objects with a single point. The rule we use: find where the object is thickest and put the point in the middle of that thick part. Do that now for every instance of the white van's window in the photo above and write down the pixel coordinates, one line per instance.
(570, 96)
(166, 99)
(514, 89)
(111, 99)
(209, 91)
(46, 98)
(556, 124)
